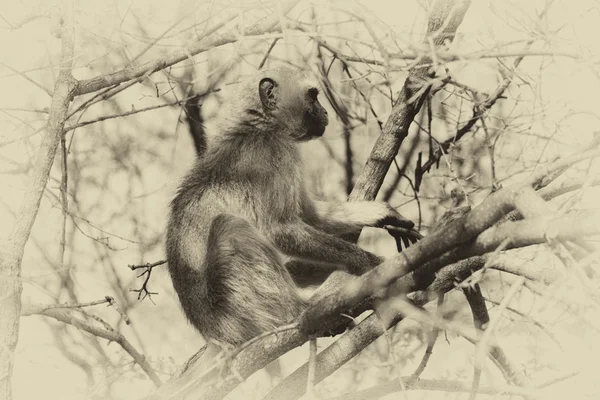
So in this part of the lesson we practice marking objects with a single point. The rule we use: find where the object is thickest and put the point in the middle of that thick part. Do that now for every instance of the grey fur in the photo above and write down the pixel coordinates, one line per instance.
(244, 203)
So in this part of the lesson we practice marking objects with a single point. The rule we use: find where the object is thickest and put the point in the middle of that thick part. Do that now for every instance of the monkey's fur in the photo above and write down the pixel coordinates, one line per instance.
(244, 204)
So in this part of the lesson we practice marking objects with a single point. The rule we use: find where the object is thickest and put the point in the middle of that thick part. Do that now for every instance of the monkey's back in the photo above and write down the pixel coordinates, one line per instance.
(217, 228)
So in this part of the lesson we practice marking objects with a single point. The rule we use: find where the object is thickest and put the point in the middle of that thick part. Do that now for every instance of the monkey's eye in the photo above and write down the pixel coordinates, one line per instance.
(313, 93)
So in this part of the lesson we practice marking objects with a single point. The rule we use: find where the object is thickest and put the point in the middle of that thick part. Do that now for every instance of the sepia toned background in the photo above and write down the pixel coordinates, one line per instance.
(124, 166)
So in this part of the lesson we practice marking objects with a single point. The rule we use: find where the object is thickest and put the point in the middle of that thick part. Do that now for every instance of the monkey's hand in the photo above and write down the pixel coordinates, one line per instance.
(389, 216)
(403, 236)
(401, 229)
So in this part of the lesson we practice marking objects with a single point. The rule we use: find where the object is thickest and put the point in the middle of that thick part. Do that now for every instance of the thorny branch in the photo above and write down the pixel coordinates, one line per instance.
(107, 299)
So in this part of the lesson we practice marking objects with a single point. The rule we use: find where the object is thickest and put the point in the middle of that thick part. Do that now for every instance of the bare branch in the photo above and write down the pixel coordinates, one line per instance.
(143, 292)
(431, 339)
(132, 112)
(409, 383)
(12, 250)
(24, 76)
(442, 26)
(105, 332)
(450, 245)
(40, 308)
(268, 24)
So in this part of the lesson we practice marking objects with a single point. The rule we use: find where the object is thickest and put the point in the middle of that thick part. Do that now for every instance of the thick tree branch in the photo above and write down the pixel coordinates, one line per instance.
(225, 374)
(215, 379)
(462, 238)
(354, 341)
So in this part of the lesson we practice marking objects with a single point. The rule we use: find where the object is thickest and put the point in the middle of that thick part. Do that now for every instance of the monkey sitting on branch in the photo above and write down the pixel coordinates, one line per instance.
(243, 207)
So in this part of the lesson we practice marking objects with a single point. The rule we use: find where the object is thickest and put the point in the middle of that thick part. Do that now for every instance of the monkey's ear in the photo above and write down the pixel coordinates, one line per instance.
(266, 90)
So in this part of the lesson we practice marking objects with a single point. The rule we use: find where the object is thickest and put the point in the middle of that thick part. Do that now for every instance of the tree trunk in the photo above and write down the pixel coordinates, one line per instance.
(11, 250)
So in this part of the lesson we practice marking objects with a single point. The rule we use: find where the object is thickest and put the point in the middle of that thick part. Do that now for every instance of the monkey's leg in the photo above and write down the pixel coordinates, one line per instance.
(308, 277)
(249, 290)
(306, 274)
(302, 241)
(315, 282)
(344, 321)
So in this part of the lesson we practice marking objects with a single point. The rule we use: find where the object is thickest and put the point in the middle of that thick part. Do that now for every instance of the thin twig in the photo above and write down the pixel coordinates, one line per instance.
(483, 343)
(27, 78)
(267, 24)
(312, 368)
(132, 112)
(431, 339)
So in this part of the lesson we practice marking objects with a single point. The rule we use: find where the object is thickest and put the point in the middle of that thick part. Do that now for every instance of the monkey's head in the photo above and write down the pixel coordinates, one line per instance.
(279, 100)
(290, 98)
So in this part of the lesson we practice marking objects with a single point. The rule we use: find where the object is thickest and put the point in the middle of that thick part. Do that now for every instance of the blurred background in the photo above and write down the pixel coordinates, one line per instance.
(124, 167)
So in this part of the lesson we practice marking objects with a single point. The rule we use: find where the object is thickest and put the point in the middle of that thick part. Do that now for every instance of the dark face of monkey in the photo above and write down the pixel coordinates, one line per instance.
(287, 99)
(315, 116)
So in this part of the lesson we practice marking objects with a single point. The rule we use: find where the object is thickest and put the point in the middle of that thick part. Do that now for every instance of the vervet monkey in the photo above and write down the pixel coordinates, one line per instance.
(243, 207)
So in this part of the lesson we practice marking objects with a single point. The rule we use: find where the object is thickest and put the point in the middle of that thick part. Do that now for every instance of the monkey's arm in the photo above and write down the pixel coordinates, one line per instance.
(302, 241)
(361, 213)
(346, 219)
(349, 217)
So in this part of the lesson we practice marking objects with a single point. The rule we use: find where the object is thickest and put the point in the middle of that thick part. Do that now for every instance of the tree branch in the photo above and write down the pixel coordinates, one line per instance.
(409, 383)
(472, 234)
(267, 25)
(443, 22)
(11, 251)
(106, 332)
